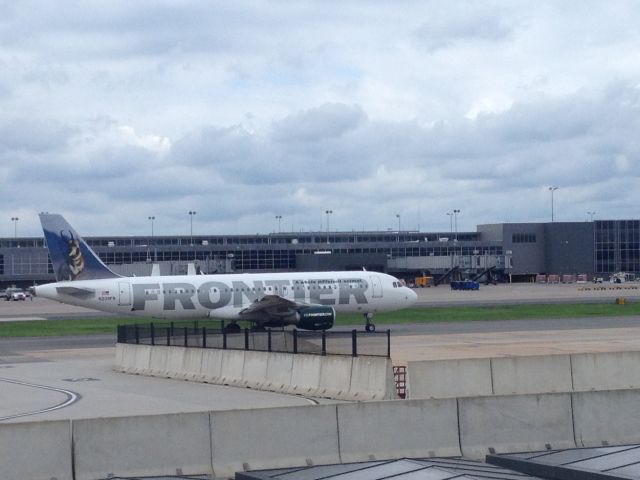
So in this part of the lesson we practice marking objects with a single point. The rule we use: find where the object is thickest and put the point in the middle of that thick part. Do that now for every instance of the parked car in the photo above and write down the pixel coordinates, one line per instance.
(15, 294)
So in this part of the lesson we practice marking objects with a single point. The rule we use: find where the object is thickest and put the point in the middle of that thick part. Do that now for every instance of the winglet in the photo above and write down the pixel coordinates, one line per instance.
(71, 257)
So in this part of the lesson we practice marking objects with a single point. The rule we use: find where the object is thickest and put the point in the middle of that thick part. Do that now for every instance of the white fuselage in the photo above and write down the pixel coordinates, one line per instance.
(225, 296)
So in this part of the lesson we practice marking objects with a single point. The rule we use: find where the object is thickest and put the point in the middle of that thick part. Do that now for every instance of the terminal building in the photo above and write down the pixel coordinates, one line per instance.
(516, 252)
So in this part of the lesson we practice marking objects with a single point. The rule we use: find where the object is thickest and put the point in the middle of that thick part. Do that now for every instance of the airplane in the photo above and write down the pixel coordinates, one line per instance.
(307, 300)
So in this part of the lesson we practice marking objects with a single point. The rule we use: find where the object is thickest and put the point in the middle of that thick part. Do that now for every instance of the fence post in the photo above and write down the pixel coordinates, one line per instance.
(269, 340)
(354, 343)
(137, 329)
(172, 329)
(246, 339)
(153, 334)
(224, 339)
(295, 340)
(388, 343)
(204, 337)
(186, 336)
(324, 342)
(168, 336)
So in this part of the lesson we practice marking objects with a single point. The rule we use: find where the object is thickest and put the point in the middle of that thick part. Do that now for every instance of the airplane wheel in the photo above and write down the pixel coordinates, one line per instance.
(370, 327)
(232, 328)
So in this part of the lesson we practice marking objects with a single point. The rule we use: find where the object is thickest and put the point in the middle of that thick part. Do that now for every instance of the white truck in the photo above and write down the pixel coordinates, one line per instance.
(15, 294)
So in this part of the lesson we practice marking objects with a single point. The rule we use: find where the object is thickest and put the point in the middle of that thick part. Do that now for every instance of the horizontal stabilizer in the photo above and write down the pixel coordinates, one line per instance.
(76, 292)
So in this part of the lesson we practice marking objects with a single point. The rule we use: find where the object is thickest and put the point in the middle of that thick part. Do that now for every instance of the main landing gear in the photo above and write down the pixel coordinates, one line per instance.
(232, 328)
(369, 326)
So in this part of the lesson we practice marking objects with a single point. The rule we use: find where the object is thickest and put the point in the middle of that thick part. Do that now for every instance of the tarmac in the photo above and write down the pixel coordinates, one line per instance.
(73, 377)
(526, 293)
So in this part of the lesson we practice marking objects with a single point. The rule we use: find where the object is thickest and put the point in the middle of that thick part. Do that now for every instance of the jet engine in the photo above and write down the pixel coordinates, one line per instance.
(315, 318)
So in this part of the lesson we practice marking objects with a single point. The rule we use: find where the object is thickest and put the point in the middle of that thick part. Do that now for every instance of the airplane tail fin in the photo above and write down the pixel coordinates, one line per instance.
(71, 257)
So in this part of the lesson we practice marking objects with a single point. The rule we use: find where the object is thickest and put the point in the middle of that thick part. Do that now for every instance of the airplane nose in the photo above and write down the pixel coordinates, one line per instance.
(411, 295)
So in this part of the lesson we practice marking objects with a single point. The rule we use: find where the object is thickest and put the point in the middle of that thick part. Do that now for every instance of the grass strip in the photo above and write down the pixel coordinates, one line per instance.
(101, 325)
(497, 312)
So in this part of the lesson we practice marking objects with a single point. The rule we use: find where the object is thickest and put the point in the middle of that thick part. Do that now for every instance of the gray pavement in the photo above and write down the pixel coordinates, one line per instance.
(103, 392)
(82, 365)
(41, 309)
(528, 293)
(50, 370)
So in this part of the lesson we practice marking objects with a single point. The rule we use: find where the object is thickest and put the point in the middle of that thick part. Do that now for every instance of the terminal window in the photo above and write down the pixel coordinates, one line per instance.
(617, 246)
(523, 238)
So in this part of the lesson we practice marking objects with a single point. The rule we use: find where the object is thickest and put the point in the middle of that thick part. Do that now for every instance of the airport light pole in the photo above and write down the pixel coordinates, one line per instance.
(455, 221)
(191, 214)
(398, 217)
(552, 189)
(591, 214)
(450, 214)
(279, 218)
(152, 218)
(328, 212)
(15, 226)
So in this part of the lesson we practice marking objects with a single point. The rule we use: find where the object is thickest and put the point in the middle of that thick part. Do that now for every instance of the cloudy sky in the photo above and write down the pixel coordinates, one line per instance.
(112, 111)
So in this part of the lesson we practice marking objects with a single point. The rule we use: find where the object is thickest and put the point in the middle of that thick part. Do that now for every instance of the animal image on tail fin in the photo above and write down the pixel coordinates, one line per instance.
(71, 257)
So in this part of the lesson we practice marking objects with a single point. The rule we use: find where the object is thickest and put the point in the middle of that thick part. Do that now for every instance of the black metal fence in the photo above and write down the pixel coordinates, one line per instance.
(354, 343)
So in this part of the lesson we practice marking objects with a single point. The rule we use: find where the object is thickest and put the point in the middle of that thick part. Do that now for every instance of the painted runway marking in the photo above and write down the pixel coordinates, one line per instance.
(20, 319)
(72, 397)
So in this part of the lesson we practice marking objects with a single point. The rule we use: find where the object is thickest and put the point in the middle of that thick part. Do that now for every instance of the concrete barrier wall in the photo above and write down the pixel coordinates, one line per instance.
(335, 376)
(132, 358)
(449, 378)
(386, 430)
(525, 375)
(305, 374)
(121, 351)
(273, 438)
(192, 365)
(211, 371)
(231, 367)
(279, 371)
(606, 418)
(142, 359)
(331, 376)
(517, 423)
(361, 378)
(606, 371)
(372, 379)
(157, 361)
(171, 444)
(36, 451)
(221, 443)
(254, 369)
(175, 362)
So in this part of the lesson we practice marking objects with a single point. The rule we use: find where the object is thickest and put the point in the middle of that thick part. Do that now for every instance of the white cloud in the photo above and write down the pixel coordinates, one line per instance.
(497, 103)
(154, 143)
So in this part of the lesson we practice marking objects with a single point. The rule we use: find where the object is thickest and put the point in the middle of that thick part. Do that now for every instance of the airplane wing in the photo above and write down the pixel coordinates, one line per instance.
(272, 304)
(275, 311)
